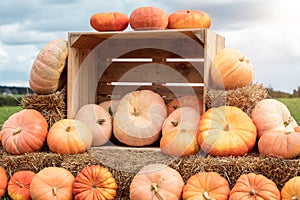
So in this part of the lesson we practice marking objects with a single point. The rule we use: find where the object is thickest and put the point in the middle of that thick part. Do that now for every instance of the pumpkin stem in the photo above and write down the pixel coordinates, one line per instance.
(68, 129)
(206, 195)
(155, 188)
(294, 198)
(110, 111)
(94, 186)
(175, 107)
(19, 184)
(174, 123)
(252, 192)
(100, 121)
(227, 127)
(287, 122)
(54, 191)
(16, 131)
(135, 112)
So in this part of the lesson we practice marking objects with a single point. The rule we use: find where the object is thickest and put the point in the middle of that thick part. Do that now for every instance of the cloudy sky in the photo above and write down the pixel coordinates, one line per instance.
(267, 32)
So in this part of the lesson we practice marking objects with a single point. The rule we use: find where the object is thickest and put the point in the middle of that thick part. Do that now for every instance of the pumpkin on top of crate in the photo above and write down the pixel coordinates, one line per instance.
(189, 19)
(109, 21)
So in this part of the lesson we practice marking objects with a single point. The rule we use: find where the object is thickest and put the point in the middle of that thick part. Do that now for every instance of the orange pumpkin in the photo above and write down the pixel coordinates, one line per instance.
(24, 132)
(111, 21)
(3, 182)
(179, 133)
(52, 183)
(69, 136)
(186, 101)
(110, 106)
(270, 115)
(98, 120)
(48, 70)
(94, 182)
(19, 185)
(156, 181)
(254, 186)
(189, 19)
(290, 190)
(225, 131)
(139, 118)
(205, 186)
(147, 18)
(231, 69)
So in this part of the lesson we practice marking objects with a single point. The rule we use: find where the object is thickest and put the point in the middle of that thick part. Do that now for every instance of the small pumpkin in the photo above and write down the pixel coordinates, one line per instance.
(225, 131)
(3, 182)
(290, 190)
(69, 136)
(156, 181)
(186, 101)
(270, 115)
(139, 118)
(206, 186)
(148, 18)
(189, 19)
(110, 106)
(48, 71)
(254, 186)
(109, 21)
(94, 182)
(231, 69)
(24, 132)
(19, 185)
(99, 122)
(52, 183)
(179, 132)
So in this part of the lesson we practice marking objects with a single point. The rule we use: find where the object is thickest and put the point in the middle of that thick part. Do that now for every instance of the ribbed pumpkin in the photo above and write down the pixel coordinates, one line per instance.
(254, 186)
(48, 70)
(110, 106)
(147, 18)
(99, 122)
(110, 21)
(139, 118)
(189, 19)
(94, 182)
(290, 190)
(206, 186)
(24, 132)
(231, 69)
(19, 185)
(156, 181)
(69, 136)
(52, 183)
(179, 132)
(3, 182)
(186, 101)
(225, 131)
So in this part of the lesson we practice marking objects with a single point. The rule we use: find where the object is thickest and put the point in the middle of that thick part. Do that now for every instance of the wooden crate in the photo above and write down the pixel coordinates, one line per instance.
(107, 65)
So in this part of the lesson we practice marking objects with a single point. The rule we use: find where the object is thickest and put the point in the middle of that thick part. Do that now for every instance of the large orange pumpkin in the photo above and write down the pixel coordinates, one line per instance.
(98, 120)
(147, 18)
(139, 118)
(48, 70)
(19, 185)
(179, 132)
(290, 190)
(186, 101)
(270, 115)
(69, 136)
(52, 183)
(24, 132)
(156, 181)
(231, 69)
(3, 182)
(189, 19)
(254, 186)
(111, 21)
(206, 186)
(94, 182)
(225, 131)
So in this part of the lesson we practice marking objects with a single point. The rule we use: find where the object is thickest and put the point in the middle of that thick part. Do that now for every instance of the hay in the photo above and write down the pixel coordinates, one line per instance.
(51, 106)
(244, 98)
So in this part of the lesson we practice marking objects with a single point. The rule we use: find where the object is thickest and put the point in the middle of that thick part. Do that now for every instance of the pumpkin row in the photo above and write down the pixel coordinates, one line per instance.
(155, 180)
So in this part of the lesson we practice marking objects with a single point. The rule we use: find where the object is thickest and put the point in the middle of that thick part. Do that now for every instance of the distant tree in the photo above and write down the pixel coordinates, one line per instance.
(14, 91)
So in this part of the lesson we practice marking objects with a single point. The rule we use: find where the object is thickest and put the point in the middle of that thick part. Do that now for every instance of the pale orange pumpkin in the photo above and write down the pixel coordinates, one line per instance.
(231, 69)
(189, 19)
(186, 101)
(52, 183)
(3, 182)
(110, 106)
(225, 131)
(179, 132)
(270, 115)
(139, 118)
(98, 120)
(206, 186)
(148, 18)
(290, 190)
(48, 69)
(109, 21)
(156, 181)
(69, 136)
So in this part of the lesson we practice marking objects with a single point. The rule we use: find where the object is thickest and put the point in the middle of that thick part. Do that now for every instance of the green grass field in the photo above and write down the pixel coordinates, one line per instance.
(6, 111)
(294, 106)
